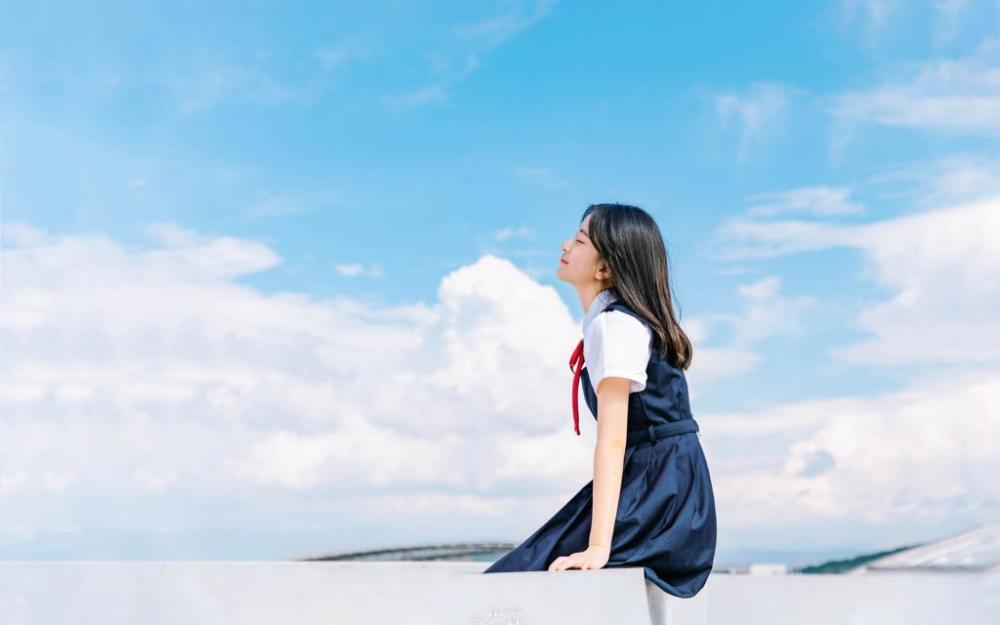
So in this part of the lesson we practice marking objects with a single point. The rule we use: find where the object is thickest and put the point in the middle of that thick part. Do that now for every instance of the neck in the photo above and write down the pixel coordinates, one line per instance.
(588, 294)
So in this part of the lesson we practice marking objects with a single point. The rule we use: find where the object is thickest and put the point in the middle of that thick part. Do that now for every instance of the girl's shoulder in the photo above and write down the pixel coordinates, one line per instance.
(617, 324)
(621, 312)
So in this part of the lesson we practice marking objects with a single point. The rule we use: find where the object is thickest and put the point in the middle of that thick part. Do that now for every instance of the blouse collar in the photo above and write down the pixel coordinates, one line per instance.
(601, 300)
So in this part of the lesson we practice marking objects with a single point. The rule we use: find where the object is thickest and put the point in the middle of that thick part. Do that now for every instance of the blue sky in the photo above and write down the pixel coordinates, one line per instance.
(243, 241)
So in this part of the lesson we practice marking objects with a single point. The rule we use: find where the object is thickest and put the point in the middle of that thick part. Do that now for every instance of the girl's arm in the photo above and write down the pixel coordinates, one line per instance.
(609, 457)
(609, 460)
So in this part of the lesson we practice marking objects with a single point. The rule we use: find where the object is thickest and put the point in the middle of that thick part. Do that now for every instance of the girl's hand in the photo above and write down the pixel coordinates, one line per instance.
(594, 557)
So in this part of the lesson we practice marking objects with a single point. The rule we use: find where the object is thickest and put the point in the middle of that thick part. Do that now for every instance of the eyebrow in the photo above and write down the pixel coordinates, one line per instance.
(584, 233)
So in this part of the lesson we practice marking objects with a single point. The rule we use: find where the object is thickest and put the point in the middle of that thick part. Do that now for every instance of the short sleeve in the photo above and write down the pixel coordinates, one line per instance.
(617, 346)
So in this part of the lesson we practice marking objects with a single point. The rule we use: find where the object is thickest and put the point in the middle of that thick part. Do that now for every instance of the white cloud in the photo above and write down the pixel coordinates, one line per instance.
(949, 15)
(356, 270)
(960, 95)
(715, 363)
(357, 452)
(458, 53)
(764, 312)
(873, 467)
(740, 238)
(154, 482)
(205, 81)
(139, 373)
(872, 14)
(876, 18)
(914, 458)
(819, 201)
(769, 313)
(510, 233)
(940, 267)
(921, 455)
(954, 178)
(758, 115)
(58, 481)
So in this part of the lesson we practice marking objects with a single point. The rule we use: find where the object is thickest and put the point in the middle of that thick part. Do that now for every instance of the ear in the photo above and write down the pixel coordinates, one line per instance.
(603, 272)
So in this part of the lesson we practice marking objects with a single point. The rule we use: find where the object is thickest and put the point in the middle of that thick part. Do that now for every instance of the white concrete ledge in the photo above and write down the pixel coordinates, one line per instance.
(279, 593)
(439, 593)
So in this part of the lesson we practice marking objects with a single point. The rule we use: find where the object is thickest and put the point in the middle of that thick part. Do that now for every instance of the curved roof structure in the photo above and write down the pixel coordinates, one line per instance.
(974, 550)
(467, 551)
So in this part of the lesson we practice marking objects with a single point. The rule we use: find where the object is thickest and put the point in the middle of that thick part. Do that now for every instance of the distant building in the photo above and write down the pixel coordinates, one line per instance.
(976, 550)
(457, 552)
(768, 568)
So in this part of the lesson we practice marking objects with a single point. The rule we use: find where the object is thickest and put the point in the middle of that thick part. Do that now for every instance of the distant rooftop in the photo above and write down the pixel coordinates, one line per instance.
(462, 552)
(975, 550)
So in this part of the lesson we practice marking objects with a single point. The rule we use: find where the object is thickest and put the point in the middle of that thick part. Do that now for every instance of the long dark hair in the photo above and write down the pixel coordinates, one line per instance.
(629, 241)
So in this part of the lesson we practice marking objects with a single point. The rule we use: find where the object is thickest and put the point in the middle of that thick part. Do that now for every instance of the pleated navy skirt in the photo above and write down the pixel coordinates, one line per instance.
(665, 522)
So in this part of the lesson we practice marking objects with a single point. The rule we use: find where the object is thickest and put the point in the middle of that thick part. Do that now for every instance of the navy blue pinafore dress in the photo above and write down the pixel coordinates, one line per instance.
(666, 520)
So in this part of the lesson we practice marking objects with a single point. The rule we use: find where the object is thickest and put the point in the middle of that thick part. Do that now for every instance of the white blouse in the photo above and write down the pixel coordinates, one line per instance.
(615, 344)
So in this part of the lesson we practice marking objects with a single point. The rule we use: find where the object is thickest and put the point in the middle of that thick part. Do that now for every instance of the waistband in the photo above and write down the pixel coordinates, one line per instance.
(655, 432)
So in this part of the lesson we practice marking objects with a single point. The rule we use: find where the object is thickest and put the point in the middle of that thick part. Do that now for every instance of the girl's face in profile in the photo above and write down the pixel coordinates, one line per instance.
(580, 263)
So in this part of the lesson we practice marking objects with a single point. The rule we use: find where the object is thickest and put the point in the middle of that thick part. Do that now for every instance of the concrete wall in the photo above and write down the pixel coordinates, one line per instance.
(303, 593)
(439, 593)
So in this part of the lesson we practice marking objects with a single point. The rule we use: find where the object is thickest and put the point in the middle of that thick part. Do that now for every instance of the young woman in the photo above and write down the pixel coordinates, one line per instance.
(650, 503)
